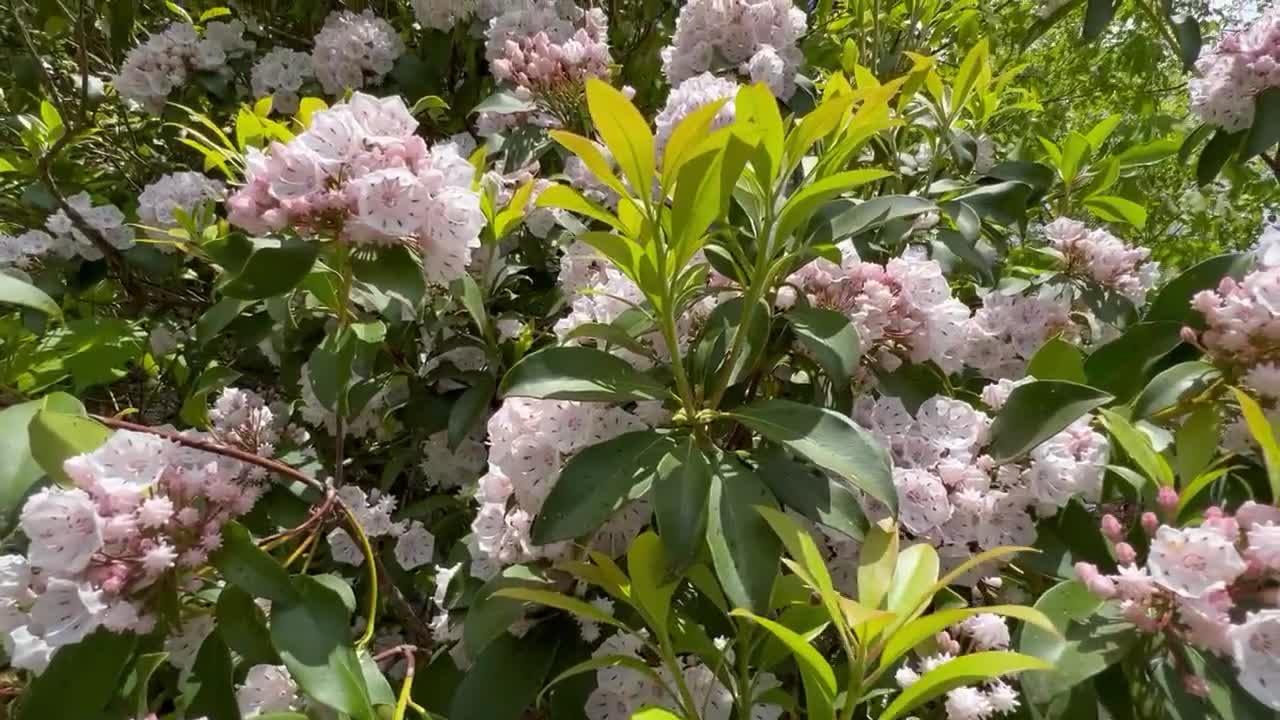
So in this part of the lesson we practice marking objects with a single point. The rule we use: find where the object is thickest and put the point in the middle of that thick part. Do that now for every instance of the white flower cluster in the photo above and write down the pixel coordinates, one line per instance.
(165, 60)
(268, 689)
(903, 310)
(690, 95)
(1104, 258)
(968, 702)
(1243, 64)
(186, 191)
(106, 219)
(756, 38)
(144, 514)
(446, 14)
(621, 691)
(446, 469)
(353, 50)
(280, 75)
(954, 496)
(21, 252)
(1008, 329)
(415, 545)
(529, 443)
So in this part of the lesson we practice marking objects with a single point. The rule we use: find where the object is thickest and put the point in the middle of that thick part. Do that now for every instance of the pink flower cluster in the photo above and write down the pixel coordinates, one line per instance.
(542, 64)
(1243, 324)
(756, 38)
(359, 173)
(1103, 258)
(1242, 64)
(690, 95)
(1008, 329)
(1210, 586)
(143, 509)
(903, 310)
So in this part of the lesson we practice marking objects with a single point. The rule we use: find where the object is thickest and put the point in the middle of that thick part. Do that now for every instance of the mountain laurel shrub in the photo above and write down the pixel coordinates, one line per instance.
(491, 360)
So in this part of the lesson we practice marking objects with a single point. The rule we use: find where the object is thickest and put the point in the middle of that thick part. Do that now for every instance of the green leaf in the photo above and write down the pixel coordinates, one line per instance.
(20, 470)
(923, 628)
(1036, 412)
(1096, 18)
(596, 482)
(877, 560)
(1075, 155)
(393, 272)
(845, 218)
(624, 131)
(703, 191)
(1196, 443)
(505, 678)
(650, 588)
(590, 154)
(1138, 447)
(311, 631)
(976, 60)
(140, 679)
(16, 292)
(688, 134)
(1173, 302)
(80, 680)
(720, 331)
(250, 568)
(195, 408)
(1120, 367)
(914, 575)
(1099, 133)
(1263, 434)
(210, 687)
(1187, 30)
(217, 318)
(1171, 386)
(815, 673)
(561, 602)
(828, 439)
(1003, 202)
(1149, 153)
(244, 627)
(744, 550)
(567, 198)
(1265, 130)
(470, 408)
(1057, 359)
(830, 338)
(469, 294)
(329, 368)
(681, 492)
(490, 615)
(812, 493)
(965, 670)
(579, 373)
(802, 205)
(1221, 147)
(55, 437)
(274, 268)
(120, 16)
(1084, 645)
(1117, 209)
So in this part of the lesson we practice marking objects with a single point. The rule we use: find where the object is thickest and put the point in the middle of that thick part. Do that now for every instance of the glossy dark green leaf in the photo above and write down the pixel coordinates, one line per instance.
(1173, 302)
(1196, 444)
(1098, 14)
(249, 567)
(469, 409)
(1171, 386)
(210, 687)
(1187, 30)
(1217, 153)
(843, 219)
(681, 491)
(579, 373)
(828, 439)
(1004, 202)
(217, 318)
(490, 615)
(120, 16)
(505, 678)
(830, 339)
(329, 370)
(744, 549)
(595, 482)
(1264, 133)
(1057, 359)
(1036, 412)
(1121, 367)
(273, 268)
(720, 331)
(393, 271)
(812, 493)
(80, 680)
(244, 627)
(311, 629)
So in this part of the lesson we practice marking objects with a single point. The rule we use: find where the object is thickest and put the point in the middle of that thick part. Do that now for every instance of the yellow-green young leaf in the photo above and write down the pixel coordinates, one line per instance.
(914, 576)
(567, 198)
(620, 251)
(654, 713)
(923, 628)
(647, 562)
(975, 561)
(865, 621)
(706, 184)
(262, 107)
(687, 135)
(757, 108)
(1075, 152)
(589, 153)
(964, 670)
(1117, 209)
(1265, 435)
(625, 132)
(1099, 133)
(801, 207)
(967, 79)
(1138, 447)
(808, 560)
(816, 125)
(876, 561)
(816, 674)
(561, 602)
(308, 107)
(513, 213)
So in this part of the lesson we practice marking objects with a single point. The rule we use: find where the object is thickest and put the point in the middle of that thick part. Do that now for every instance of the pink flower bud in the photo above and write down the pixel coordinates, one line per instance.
(1086, 571)
(1111, 528)
(1125, 554)
(1150, 523)
(1102, 586)
(1189, 336)
(1195, 686)
(1167, 499)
